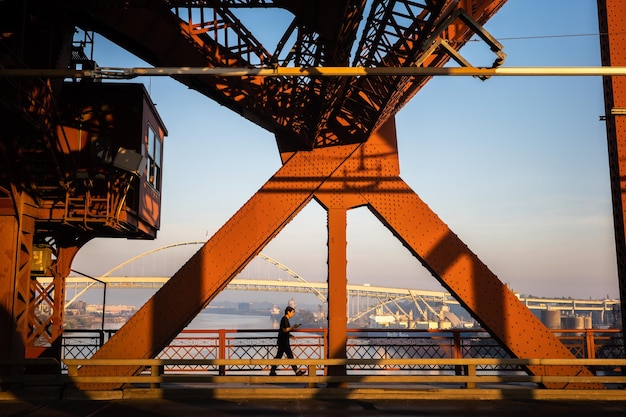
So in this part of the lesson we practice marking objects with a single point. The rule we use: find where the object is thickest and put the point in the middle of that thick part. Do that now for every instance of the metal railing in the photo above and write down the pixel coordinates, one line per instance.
(362, 344)
(457, 363)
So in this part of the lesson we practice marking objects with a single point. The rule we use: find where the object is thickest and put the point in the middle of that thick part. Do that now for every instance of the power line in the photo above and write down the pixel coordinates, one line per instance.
(570, 35)
(522, 38)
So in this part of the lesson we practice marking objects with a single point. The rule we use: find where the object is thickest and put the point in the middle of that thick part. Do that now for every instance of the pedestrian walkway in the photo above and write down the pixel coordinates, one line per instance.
(181, 400)
(291, 407)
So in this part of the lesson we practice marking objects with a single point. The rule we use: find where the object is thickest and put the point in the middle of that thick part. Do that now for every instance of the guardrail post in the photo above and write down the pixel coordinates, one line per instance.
(222, 350)
(591, 344)
(72, 370)
(471, 373)
(325, 348)
(156, 370)
(457, 352)
(312, 372)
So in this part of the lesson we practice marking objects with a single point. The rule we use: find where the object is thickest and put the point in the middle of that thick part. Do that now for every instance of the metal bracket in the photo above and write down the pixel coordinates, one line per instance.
(495, 46)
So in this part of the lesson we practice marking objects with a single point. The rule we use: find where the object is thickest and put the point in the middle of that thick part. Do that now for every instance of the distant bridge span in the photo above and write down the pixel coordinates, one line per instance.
(362, 299)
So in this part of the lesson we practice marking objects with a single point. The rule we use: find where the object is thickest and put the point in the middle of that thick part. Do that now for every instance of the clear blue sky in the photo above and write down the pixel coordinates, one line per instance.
(516, 166)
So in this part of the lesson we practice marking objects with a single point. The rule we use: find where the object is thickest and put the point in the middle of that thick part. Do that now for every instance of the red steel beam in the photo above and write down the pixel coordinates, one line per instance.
(611, 17)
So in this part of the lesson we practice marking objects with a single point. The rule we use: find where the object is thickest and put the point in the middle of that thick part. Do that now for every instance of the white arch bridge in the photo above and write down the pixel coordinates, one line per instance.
(363, 300)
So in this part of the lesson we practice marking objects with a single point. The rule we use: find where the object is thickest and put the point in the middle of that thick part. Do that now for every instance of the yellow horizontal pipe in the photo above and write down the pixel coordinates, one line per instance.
(382, 71)
(127, 73)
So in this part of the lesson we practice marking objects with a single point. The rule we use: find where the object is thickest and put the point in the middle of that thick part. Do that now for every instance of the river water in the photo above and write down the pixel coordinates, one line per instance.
(214, 321)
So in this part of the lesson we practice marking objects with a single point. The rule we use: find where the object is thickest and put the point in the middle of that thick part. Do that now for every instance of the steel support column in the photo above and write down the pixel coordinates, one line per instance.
(17, 228)
(31, 314)
(8, 261)
(337, 288)
(337, 195)
(611, 16)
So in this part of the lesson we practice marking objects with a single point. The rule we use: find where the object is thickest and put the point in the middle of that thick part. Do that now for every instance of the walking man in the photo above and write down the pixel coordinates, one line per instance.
(284, 334)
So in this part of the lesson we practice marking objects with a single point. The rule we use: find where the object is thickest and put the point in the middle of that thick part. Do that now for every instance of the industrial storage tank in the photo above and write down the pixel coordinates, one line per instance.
(551, 318)
(575, 322)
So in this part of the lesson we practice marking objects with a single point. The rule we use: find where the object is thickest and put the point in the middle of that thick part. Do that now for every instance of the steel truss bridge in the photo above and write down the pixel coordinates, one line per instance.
(82, 160)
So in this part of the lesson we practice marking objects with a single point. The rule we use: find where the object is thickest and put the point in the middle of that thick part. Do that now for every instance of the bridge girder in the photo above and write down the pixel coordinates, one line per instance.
(321, 126)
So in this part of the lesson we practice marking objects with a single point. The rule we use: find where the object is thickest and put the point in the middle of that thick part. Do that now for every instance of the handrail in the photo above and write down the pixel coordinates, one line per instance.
(158, 375)
(361, 382)
(72, 363)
